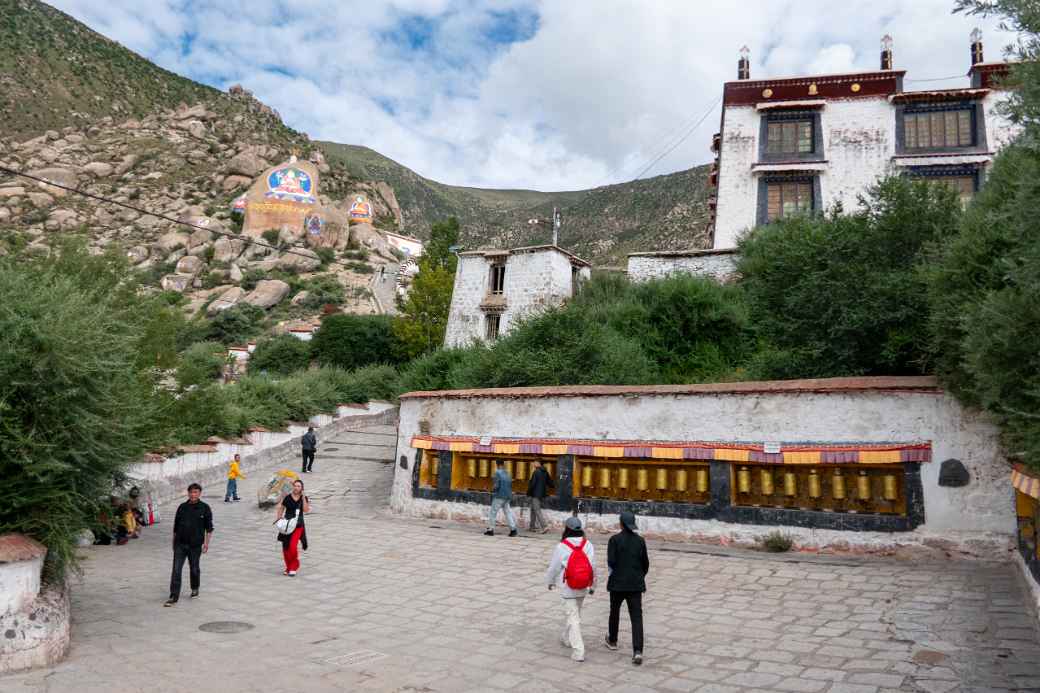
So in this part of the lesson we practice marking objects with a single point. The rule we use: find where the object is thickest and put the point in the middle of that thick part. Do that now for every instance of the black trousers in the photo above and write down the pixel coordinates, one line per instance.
(308, 460)
(194, 556)
(635, 613)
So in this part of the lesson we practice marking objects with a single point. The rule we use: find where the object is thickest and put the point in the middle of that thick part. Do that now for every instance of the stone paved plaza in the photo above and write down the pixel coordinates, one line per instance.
(390, 604)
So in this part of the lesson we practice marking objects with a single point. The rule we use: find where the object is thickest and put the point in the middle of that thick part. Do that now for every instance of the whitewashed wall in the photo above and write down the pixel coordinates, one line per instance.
(978, 518)
(720, 266)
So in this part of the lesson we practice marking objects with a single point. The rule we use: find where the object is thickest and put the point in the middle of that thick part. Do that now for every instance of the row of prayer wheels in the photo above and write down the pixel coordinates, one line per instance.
(642, 478)
(785, 482)
(518, 470)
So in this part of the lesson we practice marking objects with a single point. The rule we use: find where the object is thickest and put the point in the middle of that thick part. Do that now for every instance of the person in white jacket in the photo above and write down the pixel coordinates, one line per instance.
(557, 577)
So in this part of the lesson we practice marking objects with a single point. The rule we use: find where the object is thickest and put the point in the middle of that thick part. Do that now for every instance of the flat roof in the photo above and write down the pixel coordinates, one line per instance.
(526, 249)
(922, 383)
(684, 253)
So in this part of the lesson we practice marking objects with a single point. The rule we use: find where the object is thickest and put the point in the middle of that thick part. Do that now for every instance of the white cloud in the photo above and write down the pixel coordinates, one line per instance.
(598, 90)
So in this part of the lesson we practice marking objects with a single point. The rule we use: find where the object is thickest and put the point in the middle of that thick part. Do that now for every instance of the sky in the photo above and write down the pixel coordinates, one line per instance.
(538, 94)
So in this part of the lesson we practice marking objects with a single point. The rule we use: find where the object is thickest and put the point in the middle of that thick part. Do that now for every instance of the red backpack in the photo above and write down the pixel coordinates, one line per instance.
(578, 573)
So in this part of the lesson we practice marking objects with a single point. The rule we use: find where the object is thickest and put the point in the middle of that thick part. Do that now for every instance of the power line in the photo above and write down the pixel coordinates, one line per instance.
(682, 139)
(100, 198)
(936, 79)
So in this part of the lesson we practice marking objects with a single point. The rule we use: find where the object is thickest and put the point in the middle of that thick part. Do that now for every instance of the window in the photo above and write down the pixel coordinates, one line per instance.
(964, 186)
(498, 278)
(789, 137)
(491, 322)
(938, 129)
(787, 198)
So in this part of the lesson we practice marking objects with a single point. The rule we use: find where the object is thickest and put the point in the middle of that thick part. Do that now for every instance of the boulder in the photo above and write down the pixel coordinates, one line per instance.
(176, 282)
(196, 129)
(12, 192)
(226, 249)
(172, 240)
(40, 199)
(5, 214)
(49, 154)
(300, 298)
(290, 234)
(234, 182)
(61, 219)
(137, 254)
(247, 163)
(235, 273)
(190, 265)
(98, 169)
(175, 257)
(128, 162)
(199, 237)
(62, 176)
(226, 300)
(196, 111)
(301, 259)
(52, 135)
(268, 292)
(131, 125)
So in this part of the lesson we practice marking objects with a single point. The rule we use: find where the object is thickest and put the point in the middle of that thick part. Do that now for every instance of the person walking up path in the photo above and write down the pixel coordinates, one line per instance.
(310, 446)
(571, 571)
(293, 508)
(537, 489)
(233, 475)
(628, 564)
(192, 528)
(501, 494)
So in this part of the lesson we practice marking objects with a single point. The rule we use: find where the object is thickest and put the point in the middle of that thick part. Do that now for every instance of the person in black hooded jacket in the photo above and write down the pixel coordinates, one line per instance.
(628, 564)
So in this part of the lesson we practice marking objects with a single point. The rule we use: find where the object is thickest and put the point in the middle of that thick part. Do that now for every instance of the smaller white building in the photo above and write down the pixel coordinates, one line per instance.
(411, 247)
(495, 288)
(720, 265)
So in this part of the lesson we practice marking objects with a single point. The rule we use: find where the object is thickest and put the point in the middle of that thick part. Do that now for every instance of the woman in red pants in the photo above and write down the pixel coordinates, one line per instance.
(293, 507)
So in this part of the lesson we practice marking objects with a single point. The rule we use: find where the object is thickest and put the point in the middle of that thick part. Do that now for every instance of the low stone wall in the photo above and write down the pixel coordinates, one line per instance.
(745, 421)
(34, 623)
(166, 479)
(720, 265)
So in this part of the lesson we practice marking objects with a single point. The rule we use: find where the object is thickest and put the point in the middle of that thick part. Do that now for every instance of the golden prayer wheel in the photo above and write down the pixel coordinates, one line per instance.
(622, 477)
(586, 475)
(863, 486)
(548, 467)
(889, 492)
(702, 481)
(682, 480)
(521, 469)
(790, 484)
(509, 468)
(642, 479)
(471, 467)
(814, 484)
(744, 480)
(838, 485)
(604, 477)
(766, 479)
(662, 478)
(483, 468)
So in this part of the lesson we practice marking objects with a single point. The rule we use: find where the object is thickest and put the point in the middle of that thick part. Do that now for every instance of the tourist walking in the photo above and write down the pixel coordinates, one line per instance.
(501, 494)
(537, 489)
(233, 475)
(291, 530)
(571, 572)
(310, 446)
(192, 528)
(628, 564)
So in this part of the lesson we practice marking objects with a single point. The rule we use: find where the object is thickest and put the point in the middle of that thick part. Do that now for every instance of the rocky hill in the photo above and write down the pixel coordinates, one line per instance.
(85, 112)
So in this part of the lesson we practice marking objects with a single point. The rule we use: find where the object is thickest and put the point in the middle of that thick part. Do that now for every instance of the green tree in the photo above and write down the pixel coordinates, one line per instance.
(352, 341)
(280, 355)
(424, 313)
(74, 407)
(200, 364)
(236, 324)
(841, 294)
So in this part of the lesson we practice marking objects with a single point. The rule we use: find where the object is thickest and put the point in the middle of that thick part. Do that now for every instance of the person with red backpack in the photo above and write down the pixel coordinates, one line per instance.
(571, 571)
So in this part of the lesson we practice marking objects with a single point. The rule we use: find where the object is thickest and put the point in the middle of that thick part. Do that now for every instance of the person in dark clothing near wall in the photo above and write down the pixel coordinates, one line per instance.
(537, 489)
(628, 564)
(192, 528)
(310, 446)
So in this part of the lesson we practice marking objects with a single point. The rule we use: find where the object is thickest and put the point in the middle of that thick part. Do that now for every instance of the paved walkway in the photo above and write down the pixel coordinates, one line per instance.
(388, 604)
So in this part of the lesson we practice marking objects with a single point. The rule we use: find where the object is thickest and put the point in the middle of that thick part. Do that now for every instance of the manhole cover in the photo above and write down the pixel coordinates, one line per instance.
(352, 659)
(225, 627)
(329, 449)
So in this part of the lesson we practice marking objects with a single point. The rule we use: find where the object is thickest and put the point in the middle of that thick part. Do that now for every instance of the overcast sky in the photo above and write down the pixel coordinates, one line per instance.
(550, 95)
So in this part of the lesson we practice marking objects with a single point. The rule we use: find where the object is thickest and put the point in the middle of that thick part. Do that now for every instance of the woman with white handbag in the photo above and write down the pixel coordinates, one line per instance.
(291, 530)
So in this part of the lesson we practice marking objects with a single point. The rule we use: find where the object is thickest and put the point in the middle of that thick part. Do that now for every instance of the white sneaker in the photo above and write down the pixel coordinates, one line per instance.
(578, 657)
(292, 573)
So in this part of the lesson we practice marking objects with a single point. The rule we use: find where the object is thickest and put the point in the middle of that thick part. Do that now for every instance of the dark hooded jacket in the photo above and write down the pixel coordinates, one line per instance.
(628, 562)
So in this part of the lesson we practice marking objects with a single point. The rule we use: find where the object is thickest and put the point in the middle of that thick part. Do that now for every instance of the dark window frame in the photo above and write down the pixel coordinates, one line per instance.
(812, 116)
(950, 171)
(978, 126)
(762, 212)
(489, 320)
(497, 277)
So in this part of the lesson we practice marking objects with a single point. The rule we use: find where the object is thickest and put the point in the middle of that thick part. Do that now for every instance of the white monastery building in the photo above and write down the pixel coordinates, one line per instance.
(495, 288)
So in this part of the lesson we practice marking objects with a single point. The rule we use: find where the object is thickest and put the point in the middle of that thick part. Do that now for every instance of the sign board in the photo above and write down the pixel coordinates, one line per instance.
(771, 448)
(485, 440)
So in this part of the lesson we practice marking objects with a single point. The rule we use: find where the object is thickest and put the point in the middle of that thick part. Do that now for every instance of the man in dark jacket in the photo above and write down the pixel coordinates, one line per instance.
(628, 563)
(537, 489)
(310, 445)
(192, 528)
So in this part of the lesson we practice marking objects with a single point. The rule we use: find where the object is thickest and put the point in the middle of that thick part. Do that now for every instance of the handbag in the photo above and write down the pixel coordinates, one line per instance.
(287, 525)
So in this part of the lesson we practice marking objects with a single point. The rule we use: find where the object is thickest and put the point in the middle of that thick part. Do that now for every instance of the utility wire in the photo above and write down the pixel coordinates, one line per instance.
(936, 79)
(682, 139)
(100, 198)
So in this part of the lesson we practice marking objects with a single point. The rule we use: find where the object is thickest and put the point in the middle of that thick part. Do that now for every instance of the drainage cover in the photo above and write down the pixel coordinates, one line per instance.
(226, 627)
(352, 659)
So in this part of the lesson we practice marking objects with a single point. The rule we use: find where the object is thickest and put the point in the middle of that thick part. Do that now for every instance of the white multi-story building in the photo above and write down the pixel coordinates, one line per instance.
(800, 144)
(495, 288)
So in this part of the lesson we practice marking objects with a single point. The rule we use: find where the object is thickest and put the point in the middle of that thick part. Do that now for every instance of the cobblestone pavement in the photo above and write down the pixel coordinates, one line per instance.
(390, 604)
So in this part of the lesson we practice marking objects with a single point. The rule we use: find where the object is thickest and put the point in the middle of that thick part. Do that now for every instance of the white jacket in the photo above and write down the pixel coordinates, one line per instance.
(554, 576)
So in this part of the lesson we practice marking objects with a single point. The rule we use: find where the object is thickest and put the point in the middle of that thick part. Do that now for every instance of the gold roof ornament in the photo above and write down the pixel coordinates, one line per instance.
(855, 87)
(766, 93)
(812, 89)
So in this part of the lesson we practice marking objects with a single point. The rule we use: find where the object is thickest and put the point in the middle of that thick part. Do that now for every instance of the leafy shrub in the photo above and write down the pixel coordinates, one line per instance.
(432, 371)
(280, 355)
(842, 294)
(200, 364)
(352, 341)
(326, 255)
(777, 542)
(236, 325)
(271, 236)
(323, 289)
(360, 267)
(250, 278)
